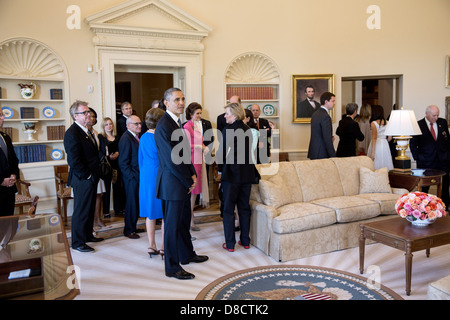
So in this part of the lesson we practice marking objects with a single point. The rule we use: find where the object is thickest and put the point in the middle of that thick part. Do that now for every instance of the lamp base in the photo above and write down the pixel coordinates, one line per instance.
(403, 166)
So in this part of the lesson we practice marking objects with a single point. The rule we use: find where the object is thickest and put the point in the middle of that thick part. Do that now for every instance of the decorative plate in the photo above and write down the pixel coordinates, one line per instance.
(56, 154)
(53, 220)
(269, 110)
(7, 112)
(48, 112)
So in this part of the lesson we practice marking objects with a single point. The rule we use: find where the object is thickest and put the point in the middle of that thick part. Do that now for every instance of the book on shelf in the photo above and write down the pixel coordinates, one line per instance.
(251, 93)
(56, 132)
(27, 112)
(31, 153)
(56, 94)
(0, 92)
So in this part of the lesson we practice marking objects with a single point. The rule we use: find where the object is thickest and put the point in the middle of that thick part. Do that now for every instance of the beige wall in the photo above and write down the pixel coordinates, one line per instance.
(302, 37)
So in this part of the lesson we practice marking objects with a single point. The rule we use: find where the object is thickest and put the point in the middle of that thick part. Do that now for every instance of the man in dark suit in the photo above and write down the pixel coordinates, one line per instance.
(265, 132)
(307, 107)
(9, 171)
(129, 166)
(127, 111)
(431, 150)
(348, 132)
(84, 174)
(321, 141)
(175, 180)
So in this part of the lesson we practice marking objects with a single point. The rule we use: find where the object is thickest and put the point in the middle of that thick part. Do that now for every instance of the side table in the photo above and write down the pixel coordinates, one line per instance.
(417, 179)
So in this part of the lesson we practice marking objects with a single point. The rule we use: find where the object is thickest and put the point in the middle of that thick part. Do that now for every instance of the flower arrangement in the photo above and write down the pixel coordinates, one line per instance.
(420, 206)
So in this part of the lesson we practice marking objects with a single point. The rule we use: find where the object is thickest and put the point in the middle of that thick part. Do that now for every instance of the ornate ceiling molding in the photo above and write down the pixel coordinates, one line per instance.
(29, 58)
(134, 24)
(252, 67)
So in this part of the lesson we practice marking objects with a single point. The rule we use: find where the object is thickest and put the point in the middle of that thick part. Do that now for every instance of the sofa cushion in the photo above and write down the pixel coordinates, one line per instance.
(300, 216)
(273, 192)
(385, 200)
(318, 179)
(350, 208)
(281, 188)
(348, 168)
(374, 181)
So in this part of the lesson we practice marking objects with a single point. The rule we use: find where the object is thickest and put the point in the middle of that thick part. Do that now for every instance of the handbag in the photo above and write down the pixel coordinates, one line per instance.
(105, 168)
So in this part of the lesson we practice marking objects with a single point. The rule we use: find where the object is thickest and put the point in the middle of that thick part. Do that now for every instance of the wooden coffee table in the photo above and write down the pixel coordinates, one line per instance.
(400, 234)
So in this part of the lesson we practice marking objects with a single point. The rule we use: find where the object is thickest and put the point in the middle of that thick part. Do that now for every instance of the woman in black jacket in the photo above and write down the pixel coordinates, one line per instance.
(238, 175)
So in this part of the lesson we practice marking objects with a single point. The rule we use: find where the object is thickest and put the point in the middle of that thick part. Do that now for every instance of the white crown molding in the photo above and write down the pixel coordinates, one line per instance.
(116, 27)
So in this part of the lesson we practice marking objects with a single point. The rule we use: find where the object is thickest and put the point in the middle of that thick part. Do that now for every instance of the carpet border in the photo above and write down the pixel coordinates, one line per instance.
(202, 294)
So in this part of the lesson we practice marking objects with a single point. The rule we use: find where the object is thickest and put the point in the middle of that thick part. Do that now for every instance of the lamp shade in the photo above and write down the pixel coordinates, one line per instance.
(402, 123)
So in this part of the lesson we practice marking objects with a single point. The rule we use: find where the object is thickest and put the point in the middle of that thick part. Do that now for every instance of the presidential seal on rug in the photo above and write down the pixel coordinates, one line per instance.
(295, 283)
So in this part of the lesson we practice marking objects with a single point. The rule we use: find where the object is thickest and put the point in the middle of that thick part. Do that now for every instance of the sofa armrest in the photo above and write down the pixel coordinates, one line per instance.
(261, 225)
(399, 191)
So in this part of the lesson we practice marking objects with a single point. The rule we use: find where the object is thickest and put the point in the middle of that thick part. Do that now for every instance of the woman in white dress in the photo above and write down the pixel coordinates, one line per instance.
(379, 149)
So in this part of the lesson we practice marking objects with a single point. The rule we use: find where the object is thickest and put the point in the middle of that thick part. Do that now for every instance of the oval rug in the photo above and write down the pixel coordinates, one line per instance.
(294, 283)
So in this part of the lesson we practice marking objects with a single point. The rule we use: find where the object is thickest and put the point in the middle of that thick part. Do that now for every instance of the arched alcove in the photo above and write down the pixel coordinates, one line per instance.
(252, 67)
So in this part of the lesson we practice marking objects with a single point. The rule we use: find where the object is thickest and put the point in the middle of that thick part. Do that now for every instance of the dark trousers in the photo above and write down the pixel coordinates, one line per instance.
(7, 201)
(118, 194)
(236, 194)
(131, 206)
(84, 196)
(177, 237)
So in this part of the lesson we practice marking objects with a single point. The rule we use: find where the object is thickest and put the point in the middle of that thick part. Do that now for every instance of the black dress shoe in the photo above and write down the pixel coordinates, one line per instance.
(139, 230)
(94, 239)
(196, 259)
(132, 235)
(181, 275)
(84, 248)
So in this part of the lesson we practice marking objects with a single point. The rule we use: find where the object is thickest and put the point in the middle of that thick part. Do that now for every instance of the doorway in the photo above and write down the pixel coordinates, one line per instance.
(140, 89)
(382, 90)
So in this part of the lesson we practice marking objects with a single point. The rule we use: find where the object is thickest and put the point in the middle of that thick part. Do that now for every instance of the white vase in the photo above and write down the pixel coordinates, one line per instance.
(27, 91)
(419, 222)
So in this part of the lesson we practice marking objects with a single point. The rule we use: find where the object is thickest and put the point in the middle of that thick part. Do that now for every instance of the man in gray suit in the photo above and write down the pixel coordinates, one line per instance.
(321, 142)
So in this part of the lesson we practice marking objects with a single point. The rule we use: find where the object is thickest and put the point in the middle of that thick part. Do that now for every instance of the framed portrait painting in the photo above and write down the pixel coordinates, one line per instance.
(307, 90)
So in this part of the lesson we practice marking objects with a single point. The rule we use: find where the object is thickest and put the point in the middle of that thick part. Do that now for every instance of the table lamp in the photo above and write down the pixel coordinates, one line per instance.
(402, 126)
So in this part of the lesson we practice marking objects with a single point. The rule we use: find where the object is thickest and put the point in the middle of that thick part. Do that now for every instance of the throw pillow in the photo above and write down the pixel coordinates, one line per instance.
(374, 181)
(274, 192)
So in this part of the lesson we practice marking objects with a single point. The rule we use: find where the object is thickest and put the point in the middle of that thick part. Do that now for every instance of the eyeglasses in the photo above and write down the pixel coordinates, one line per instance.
(136, 123)
(86, 113)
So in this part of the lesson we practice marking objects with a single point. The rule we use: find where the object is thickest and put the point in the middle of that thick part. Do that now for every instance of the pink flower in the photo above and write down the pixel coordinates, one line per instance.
(416, 214)
(403, 213)
(432, 215)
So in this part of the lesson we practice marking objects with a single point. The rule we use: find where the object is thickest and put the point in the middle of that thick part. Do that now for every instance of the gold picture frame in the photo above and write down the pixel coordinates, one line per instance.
(447, 71)
(301, 112)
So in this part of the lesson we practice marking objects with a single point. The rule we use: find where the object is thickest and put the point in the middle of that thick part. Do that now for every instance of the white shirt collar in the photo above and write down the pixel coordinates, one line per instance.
(85, 129)
(173, 116)
(134, 134)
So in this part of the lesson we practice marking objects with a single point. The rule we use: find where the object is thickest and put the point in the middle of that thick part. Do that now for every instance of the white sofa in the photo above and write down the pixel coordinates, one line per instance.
(305, 208)
(439, 290)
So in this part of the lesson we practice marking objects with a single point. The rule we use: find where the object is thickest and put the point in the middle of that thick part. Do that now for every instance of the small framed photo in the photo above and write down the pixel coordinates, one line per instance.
(306, 92)
(447, 71)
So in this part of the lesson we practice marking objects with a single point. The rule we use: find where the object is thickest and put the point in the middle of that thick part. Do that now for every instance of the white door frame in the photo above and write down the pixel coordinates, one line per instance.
(189, 81)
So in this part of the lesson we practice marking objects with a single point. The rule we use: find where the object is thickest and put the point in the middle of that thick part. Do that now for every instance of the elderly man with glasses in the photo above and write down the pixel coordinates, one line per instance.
(84, 174)
(129, 166)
